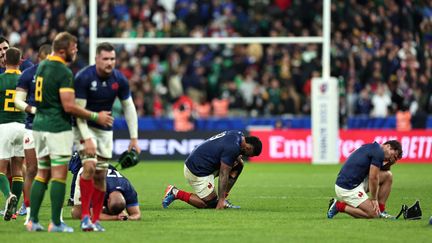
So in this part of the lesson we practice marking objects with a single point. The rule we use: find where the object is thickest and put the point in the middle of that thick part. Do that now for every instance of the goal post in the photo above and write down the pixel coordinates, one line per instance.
(332, 129)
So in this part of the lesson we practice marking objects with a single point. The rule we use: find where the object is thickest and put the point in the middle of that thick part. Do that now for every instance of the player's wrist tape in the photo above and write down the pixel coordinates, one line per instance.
(94, 116)
(33, 110)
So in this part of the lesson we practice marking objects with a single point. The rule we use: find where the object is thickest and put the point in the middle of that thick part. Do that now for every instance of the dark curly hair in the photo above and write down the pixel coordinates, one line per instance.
(256, 143)
(395, 145)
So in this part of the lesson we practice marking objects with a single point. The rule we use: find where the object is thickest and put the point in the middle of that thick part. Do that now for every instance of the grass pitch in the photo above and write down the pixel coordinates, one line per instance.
(280, 203)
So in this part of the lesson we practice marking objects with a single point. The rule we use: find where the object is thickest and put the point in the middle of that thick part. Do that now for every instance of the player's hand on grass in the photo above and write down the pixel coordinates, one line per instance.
(122, 216)
(105, 118)
(221, 204)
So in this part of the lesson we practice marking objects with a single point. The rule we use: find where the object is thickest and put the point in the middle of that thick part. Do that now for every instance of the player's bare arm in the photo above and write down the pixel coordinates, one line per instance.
(120, 216)
(134, 213)
(223, 184)
(67, 98)
(373, 186)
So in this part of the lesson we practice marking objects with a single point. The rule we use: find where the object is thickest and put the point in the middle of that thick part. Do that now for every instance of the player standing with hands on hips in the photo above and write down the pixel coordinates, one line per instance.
(97, 87)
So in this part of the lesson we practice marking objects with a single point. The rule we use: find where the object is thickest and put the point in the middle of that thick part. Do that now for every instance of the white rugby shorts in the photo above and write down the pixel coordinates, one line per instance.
(53, 144)
(202, 186)
(11, 140)
(353, 197)
(28, 141)
(102, 139)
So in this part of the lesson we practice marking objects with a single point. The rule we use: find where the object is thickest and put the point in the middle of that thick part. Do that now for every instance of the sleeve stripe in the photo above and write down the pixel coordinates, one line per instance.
(67, 90)
(132, 205)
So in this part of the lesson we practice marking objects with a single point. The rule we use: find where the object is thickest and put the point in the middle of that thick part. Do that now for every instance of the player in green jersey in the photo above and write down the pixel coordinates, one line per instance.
(12, 133)
(52, 131)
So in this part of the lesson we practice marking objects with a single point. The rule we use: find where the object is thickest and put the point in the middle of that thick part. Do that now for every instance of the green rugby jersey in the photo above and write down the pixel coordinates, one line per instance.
(52, 77)
(8, 111)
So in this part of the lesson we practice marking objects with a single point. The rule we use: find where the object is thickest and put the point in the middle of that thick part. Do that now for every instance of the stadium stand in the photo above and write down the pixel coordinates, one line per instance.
(381, 50)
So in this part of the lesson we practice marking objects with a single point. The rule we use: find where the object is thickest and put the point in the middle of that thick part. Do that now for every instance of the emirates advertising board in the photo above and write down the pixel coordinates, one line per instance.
(285, 146)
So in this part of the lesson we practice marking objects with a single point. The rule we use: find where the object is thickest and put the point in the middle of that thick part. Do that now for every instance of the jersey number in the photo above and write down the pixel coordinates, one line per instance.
(113, 173)
(7, 103)
(217, 136)
(38, 89)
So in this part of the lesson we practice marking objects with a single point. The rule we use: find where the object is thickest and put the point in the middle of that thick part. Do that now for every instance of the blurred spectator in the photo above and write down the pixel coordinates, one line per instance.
(403, 120)
(381, 101)
(220, 107)
(183, 119)
(363, 104)
(202, 109)
(419, 119)
(236, 105)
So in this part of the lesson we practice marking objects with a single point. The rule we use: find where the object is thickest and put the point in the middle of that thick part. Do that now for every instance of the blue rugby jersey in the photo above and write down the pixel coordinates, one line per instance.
(357, 166)
(114, 182)
(117, 182)
(27, 82)
(206, 158)
(100, 93)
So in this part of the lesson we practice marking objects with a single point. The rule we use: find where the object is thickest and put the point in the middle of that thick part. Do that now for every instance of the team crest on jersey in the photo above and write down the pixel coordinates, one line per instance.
(93, 85)
(115, 86)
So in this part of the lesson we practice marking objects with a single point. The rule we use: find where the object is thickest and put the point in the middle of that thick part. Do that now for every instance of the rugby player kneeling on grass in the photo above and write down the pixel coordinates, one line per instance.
(121, 199)
(220, 155)
(367, 169)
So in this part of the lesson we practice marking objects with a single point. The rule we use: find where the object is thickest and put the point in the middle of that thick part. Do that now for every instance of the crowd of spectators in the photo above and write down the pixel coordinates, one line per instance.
(381, 52)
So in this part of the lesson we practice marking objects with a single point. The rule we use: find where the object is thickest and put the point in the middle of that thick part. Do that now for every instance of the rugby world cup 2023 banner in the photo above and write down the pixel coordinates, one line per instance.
(284, 146)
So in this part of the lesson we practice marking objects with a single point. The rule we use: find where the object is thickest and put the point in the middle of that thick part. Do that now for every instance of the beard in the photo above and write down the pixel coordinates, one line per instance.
(70, 57)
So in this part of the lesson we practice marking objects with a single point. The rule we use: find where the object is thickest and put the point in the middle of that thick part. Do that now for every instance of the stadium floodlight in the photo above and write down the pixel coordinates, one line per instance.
(325, 111)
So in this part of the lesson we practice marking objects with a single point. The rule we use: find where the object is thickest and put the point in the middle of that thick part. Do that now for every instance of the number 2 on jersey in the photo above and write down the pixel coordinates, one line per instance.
(113, 173)
(7, 102)
(38, 89)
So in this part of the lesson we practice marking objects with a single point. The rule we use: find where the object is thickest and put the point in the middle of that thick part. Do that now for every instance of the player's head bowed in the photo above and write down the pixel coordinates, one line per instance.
(253, 146)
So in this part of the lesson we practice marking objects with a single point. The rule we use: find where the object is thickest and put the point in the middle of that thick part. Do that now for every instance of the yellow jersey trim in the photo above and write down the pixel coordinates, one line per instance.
(67, 90)
(56, 58)
(16, 71)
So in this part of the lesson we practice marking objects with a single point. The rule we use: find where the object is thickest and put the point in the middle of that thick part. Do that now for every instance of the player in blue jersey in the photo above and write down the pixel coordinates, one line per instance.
(4, 45)
(97, 87)
(220, 155)
(367, 169)
(120, 195)
(25, 101)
